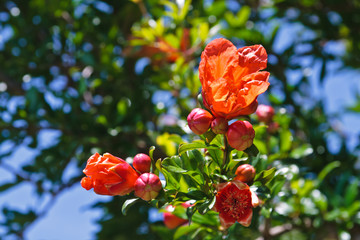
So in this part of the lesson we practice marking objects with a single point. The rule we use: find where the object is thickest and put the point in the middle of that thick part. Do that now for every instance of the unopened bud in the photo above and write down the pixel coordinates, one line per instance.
(245, 173)
(240, 135)
(147, 186)
(265, 113)
(199, 120)
(273, 127)
(142, 163)
(219, 125)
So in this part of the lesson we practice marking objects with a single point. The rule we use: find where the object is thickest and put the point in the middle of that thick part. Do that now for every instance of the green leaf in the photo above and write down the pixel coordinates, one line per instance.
(243, 15)
(285, 140)
(351, 192)
(207, 205)
(276, 187)
(195, 145)
(266, 212)
(302, 151)
(265, 176)
(151, 152)
(127, 204)
(185, 230)
(172, 180)
(173, 164)
(194, 194)
(203, 31)
(210, 218)
(327, 170)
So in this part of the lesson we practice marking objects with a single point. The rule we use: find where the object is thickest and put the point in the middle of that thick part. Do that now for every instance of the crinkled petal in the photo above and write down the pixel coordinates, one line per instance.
(251, 59)
(254, 85)
(217, 56)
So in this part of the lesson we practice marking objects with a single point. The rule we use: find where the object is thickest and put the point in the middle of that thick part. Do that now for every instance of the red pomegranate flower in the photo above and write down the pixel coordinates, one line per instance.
(109, 175)
(234, 202)
(230, 78)
(172, 221)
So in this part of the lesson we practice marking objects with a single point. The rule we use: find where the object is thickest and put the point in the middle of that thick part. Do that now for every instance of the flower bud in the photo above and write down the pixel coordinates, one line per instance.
(142, 162)
(147, 186)
(219, 125)
(240, 135)
(273, 127)
(245, 173)
(265, 113)
(172, 221)
(199, 120)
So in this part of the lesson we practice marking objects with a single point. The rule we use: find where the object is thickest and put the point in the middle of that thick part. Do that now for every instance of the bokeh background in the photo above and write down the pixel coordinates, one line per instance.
(85, 76)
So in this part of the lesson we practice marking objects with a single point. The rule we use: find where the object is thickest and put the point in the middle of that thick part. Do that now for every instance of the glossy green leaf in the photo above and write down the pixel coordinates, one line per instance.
(265, 176)
(195, 145)
(127, 204)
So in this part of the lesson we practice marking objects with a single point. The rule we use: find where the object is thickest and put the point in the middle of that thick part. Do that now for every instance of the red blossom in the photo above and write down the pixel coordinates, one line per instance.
(234, 202)
(230, 78)
(172, 221)
(109, 175)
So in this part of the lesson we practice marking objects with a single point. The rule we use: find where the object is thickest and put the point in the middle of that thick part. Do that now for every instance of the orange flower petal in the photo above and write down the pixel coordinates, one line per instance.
(217, 56)
(230, 78)
(254, 85)
(109, 175)
(252, 58)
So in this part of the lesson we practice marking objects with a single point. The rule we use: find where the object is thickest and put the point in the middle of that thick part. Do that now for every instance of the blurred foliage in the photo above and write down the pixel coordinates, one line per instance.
(121, 76)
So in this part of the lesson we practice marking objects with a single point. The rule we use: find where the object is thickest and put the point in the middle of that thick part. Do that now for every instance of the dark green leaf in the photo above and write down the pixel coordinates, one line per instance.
(127, 204)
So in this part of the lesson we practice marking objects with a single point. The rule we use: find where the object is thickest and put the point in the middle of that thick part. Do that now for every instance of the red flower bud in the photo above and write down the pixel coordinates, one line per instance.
(199, 120)
(109, 175)
(147, 186)
(219, 125)
(142, 162)
(172, 221)
(240, 135)
(265, 113)
(245, 173)
(273, 127)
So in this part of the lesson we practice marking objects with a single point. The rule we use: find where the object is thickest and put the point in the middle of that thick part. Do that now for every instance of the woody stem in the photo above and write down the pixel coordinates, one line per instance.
(226, 156)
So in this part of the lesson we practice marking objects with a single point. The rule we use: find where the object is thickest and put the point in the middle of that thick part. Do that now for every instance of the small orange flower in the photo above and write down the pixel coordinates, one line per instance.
(230, 78)
(234, 202)
(109, 175)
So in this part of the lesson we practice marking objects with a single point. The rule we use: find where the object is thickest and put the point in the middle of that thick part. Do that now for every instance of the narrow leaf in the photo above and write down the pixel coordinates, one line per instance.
(127, 204)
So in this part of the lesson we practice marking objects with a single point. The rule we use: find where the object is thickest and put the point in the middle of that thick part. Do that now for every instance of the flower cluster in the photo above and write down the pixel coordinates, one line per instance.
(110, 175)
(231, 83)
